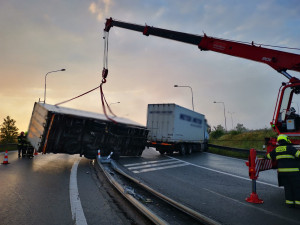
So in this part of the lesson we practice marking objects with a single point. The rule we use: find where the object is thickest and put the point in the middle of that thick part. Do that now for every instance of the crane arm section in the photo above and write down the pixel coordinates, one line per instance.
(278, 60)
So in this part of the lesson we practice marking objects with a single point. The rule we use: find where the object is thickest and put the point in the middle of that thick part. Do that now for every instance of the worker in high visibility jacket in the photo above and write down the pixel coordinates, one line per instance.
(21, 143)
(288, 158)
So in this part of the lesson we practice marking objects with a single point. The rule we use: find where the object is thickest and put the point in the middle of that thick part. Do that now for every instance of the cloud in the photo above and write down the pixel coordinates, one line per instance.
(100, 8)
(40, 36)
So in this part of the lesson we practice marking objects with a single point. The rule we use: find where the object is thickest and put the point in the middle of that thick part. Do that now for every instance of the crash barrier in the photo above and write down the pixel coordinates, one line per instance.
(147, 212)
(200, 217)
(235, 149)
(5, 161)
(8, 146)
(255, 166)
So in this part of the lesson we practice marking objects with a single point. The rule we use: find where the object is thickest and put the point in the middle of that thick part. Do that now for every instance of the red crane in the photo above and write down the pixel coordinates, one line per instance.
(285, 120)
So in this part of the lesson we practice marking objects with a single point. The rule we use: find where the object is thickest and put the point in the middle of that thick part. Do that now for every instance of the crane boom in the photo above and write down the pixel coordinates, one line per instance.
(278, 60)
(285, 119)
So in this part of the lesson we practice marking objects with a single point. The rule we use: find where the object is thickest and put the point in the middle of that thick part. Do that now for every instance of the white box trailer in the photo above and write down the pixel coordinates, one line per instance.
(175, 128)
(55, 129)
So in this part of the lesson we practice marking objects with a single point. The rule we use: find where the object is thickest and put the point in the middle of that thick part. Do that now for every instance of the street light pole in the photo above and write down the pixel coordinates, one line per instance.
(114, 103)
(224, 113)
(231, 119)
(46, 80)
(191, 92)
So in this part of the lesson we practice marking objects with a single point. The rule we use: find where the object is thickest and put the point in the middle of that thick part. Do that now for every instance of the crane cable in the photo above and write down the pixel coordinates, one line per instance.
(103, 81)
(104, 76)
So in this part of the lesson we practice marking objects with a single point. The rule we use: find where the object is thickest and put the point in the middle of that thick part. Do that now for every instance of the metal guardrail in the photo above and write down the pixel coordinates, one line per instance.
(145, 210)
(8, 144)
(3, 147)
(235, 149)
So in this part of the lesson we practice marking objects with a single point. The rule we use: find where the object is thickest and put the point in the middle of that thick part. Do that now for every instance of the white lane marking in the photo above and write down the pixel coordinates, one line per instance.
(160, 168)
(76, 208)
(228, 174)
(153, 165)
(150, 162)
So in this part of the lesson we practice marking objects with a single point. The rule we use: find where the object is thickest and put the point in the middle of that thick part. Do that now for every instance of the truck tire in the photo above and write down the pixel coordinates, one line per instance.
(182, 149)
(205, 147)
(162, 152)
(170, 152)
(189, 149)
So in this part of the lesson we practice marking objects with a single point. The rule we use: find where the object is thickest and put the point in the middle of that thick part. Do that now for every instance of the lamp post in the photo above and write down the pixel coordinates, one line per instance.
(46, 80)
(191, 92)
(114, 103)
(224, 113)
(231, 118)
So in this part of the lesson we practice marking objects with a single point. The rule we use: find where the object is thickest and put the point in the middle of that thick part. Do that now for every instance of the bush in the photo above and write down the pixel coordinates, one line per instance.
(216, 134)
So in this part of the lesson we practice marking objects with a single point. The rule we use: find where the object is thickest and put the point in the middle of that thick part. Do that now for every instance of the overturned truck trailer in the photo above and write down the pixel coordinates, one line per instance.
(54, 129)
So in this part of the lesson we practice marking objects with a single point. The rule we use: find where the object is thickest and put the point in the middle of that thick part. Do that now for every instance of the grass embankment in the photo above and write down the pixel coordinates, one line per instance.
(246, 140)
(8, 147)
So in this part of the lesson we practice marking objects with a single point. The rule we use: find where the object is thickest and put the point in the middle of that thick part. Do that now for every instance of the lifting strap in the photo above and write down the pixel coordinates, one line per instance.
(104, 76)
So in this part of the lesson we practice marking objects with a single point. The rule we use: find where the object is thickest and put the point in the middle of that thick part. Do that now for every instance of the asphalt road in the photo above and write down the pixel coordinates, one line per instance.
(41, 190)
(215, 186)
(38, 191)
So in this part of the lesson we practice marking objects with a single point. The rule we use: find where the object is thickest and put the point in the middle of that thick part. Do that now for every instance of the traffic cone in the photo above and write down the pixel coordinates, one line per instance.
(5, 161)
(99, 154)
(35, 152)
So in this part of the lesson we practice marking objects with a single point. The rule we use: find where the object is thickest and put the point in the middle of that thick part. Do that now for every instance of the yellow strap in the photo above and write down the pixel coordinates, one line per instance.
(288, 170)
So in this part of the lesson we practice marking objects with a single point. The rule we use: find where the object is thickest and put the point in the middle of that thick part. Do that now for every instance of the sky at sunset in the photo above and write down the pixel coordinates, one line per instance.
(39, 36)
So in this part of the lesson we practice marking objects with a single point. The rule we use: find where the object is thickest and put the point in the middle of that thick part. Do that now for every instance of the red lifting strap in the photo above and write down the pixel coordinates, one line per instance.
(146, 30)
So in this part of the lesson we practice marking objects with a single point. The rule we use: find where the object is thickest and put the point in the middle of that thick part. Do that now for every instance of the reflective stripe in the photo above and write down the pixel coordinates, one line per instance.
(285, 157)
(281, 149)
(288, 170)
(297, 202)
(268, 156)
(298, 154)
(289, 202)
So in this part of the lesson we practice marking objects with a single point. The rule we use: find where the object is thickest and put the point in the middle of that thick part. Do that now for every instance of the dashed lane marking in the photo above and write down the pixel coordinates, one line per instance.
(150, 162)
(225, 173)
(154, 165)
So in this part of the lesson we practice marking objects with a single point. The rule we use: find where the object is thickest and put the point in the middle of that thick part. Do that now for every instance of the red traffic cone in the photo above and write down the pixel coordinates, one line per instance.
(5, 161)
(99, 154)
(35, 152)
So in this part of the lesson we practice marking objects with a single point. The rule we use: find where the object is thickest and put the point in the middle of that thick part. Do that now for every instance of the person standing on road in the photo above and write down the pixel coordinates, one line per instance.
(21, 143)
(288, 170)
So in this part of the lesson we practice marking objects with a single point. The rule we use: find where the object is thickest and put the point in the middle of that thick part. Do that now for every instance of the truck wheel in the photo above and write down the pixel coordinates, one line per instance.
(170, 152)
(162, 152)
(182, 149)
(205, 147)
(189, 149)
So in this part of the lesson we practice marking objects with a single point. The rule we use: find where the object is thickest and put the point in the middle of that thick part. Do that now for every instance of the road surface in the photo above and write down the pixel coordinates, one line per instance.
(215, 186)
(64, 189)
(41, 191)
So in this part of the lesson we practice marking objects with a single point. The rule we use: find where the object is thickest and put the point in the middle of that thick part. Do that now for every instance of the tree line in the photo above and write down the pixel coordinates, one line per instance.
(219, 131)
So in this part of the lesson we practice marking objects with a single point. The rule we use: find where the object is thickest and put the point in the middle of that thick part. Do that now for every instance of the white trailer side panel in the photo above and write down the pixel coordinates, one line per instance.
(173, 123)
(160, 122)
